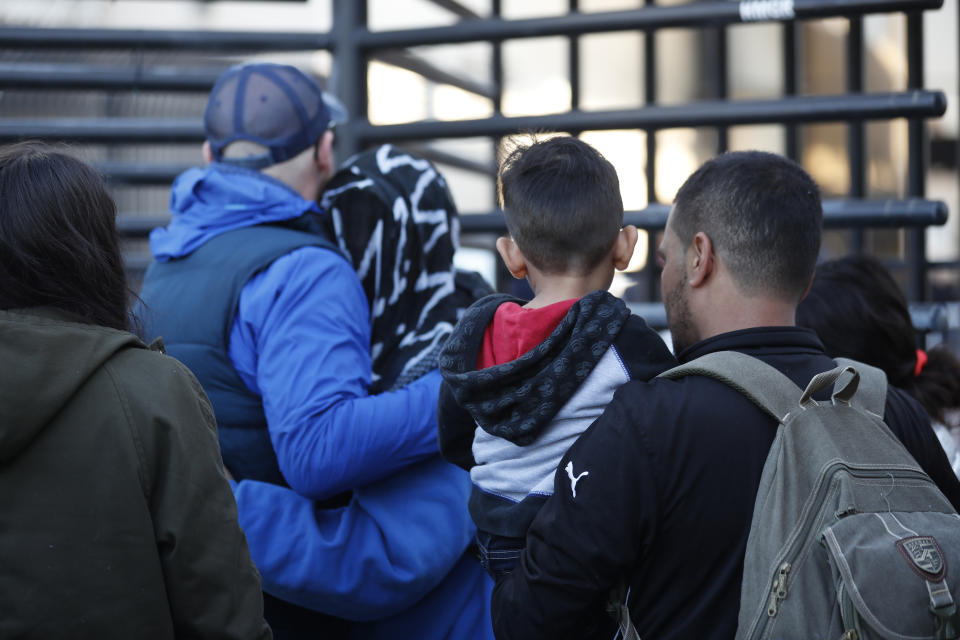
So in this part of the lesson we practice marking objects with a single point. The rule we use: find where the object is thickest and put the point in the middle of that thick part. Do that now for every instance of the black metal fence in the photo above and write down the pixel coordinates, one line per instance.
(354, 45)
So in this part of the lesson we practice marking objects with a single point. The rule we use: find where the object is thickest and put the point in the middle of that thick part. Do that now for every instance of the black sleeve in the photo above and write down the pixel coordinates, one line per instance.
(580, 546)
(907, 419)
(642, 350)
(455, 429)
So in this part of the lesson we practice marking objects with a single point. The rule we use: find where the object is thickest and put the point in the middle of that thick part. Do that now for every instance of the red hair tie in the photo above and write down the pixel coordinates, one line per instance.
(921, 360)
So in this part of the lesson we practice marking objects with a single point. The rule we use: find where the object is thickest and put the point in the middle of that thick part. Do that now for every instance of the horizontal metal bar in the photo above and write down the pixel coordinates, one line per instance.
(136, 263)
(164, 174)
(925, 316)
(836, 214)
(98, 77)
(943, 264)
(135, 226)
(794, 109)
(411, 62)
(444, 157)
(77, 38)
(912, 212)
(141, 174)
(112, 130)
(101, 77)
(693, 14)
(696, 14)
(653, 313)
(651, 218)
(908, 104)
(457, 9)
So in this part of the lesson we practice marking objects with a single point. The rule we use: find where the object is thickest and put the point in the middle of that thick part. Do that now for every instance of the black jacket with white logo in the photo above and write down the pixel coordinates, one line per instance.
(674, 467)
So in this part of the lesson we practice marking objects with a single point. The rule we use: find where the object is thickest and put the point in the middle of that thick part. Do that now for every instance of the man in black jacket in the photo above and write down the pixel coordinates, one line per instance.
(670, 470)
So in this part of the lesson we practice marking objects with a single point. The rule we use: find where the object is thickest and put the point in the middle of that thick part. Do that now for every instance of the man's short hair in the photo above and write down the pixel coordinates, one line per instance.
(562, 204)
(763, 214)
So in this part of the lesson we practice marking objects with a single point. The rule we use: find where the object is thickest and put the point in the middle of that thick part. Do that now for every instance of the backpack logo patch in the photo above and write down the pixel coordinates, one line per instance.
(924, 556)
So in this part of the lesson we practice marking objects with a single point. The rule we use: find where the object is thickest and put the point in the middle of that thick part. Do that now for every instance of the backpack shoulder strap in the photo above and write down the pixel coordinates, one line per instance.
(766, 387)
(872, 391)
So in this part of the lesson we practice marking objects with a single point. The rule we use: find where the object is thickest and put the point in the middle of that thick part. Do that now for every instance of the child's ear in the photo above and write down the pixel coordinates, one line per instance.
(624, 246)
(512, 257)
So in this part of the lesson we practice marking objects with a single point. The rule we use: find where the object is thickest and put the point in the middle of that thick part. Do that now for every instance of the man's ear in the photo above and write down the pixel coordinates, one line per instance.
(324, 154)
(624, 246)
(207, 152)
(701, 260)
(512, 257)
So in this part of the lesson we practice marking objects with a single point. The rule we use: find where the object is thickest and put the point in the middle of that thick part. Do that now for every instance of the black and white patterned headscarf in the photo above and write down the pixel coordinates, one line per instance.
(393, 215)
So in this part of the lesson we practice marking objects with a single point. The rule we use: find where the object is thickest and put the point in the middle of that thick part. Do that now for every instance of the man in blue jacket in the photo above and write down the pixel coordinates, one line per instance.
(346, 505)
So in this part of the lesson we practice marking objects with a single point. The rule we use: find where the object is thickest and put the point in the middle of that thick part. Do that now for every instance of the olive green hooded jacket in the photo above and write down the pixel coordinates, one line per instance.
(116, 520)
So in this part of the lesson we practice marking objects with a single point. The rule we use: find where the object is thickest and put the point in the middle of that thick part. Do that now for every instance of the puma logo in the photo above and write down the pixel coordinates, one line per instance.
(574, 479)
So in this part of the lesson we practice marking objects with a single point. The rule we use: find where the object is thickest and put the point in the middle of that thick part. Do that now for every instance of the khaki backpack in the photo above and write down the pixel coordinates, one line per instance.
(850, 539)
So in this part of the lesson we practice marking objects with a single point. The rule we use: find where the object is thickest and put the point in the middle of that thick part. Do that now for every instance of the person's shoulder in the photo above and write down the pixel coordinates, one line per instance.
(902, 413)
(635, 328)
(159, 397)
(150, 375)
(648, 402)
(641, 350)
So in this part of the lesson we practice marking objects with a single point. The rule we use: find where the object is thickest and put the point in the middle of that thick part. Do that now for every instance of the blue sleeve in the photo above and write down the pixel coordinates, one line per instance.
(301, 339)
(393, 543)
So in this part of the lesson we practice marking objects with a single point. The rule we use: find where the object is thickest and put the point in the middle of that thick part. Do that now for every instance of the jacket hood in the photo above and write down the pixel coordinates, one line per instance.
(47, 359)
(514, 400)
(218, 198)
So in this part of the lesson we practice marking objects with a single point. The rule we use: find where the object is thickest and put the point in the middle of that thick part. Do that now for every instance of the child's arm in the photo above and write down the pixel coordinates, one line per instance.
(455, 430)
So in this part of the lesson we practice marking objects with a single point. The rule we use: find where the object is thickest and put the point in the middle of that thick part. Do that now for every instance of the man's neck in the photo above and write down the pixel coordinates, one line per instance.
(745, 313)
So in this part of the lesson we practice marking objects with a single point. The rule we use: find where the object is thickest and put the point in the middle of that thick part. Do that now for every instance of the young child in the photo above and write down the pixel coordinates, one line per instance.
(523, 379)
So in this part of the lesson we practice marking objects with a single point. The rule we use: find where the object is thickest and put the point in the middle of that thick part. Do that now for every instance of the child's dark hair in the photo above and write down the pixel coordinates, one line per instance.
(859, 312)
(561, 199)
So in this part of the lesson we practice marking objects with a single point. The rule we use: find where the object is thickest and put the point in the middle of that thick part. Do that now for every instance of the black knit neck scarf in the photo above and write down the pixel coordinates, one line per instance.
(393, 215)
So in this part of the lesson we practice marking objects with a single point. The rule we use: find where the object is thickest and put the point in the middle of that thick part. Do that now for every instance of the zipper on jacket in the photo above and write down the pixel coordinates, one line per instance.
(823, 488)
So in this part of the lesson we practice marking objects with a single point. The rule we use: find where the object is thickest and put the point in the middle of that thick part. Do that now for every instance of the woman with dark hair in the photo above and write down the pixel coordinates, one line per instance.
(116, 520)
(859, 312)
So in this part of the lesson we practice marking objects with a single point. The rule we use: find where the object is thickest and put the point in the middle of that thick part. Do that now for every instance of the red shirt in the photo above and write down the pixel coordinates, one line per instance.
(516, 330)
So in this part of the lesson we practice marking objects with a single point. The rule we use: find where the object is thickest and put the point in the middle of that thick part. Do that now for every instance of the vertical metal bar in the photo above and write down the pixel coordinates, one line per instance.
(650, 98)
(496, 63)
(722, 90)
(916, 170)
(573, 6)
(855, 130)
(650, 170)
(350, 78)
(496, 73)
(791, 132)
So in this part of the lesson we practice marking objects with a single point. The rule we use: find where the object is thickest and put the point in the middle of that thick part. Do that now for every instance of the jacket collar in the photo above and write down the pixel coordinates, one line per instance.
(757, 341)
(219, 198)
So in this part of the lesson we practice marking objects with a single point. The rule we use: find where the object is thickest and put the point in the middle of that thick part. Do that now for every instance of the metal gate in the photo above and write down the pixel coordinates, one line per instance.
(354, 45)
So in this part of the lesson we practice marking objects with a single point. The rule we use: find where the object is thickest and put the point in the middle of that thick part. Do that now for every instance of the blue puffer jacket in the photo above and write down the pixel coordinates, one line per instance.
(393, 556)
